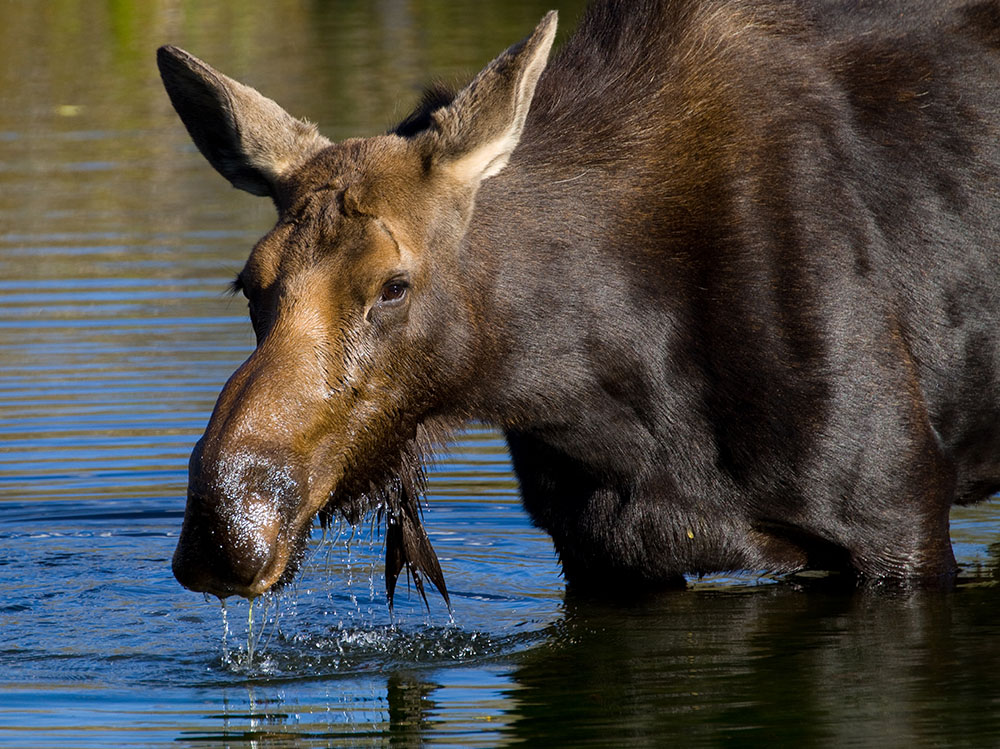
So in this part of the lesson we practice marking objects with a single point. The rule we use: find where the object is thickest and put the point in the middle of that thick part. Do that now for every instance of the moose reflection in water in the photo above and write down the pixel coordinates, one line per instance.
(724, 273)
(761, 666)
(751, 665)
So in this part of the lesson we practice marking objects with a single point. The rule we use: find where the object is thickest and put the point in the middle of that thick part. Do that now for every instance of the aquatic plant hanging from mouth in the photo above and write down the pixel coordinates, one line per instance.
(407, 545)
(406, 542)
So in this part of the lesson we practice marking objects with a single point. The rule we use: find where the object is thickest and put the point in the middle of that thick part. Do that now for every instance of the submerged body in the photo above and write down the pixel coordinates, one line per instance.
(724, 273)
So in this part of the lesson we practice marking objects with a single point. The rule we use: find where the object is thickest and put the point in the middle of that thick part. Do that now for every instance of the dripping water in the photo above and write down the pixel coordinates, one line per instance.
(225, 630)
(250, 642)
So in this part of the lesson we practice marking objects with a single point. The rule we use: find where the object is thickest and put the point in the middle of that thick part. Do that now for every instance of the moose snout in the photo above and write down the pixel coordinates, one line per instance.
(227, 550)
(250, 479)
(234, 540)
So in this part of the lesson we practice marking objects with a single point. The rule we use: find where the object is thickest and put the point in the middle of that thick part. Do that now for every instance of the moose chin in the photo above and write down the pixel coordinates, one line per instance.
(723, 272)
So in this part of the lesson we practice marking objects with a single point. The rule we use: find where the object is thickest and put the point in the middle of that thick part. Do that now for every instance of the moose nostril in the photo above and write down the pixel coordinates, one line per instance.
(226, 552)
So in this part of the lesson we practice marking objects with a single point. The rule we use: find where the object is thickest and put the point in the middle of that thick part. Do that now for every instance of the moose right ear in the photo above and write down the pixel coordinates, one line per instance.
(475, 135)
(247, 137)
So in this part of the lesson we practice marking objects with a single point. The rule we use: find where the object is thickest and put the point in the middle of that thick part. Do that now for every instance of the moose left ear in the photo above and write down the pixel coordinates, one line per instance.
(248, 138)
(475, 134)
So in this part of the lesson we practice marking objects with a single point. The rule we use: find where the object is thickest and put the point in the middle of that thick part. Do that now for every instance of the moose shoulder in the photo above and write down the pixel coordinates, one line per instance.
(724, 273)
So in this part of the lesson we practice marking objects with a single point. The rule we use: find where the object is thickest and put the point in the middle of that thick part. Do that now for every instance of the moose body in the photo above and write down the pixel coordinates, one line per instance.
(724, 273)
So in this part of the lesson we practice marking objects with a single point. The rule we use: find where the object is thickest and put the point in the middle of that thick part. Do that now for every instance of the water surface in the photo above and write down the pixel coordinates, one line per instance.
(116, 246)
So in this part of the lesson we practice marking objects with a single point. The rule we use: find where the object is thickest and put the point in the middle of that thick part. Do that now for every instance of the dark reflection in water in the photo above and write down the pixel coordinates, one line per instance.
(769, 666)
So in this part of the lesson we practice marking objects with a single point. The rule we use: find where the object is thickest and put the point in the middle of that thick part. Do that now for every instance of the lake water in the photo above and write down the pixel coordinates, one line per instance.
(117, 242)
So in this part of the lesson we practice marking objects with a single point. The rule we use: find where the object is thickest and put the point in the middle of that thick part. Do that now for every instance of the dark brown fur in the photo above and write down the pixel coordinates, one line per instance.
(732, 299)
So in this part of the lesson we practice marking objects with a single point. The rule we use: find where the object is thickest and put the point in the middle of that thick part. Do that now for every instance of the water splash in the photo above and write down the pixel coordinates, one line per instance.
(367, 649)
(333, 619)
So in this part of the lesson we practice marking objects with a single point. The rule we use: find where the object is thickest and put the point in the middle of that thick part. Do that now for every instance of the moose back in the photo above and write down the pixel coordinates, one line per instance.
(725, 273)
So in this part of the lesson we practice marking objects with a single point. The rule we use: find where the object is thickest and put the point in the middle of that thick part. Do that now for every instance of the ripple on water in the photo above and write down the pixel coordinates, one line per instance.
(370, 649)
(302, 635)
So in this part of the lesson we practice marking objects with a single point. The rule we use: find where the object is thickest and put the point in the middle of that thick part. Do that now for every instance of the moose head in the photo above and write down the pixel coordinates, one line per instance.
(366, 319)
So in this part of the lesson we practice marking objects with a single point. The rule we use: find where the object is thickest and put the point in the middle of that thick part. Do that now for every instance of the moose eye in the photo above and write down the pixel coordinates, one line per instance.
(393, 291)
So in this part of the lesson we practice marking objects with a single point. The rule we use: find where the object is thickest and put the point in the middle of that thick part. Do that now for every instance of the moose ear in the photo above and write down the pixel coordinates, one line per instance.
(247, 137)
(475, 135)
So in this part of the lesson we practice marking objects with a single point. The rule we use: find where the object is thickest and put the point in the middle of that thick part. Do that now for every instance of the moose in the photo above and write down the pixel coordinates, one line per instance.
(724, 273)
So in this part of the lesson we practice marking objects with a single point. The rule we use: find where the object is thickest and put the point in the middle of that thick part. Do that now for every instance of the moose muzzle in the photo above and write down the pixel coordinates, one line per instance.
(239, 530)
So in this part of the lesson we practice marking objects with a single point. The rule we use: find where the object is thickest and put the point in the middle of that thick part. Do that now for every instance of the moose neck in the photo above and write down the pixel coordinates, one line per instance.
(552, 273)
(591, 252)
(556, 238)
(588, 253)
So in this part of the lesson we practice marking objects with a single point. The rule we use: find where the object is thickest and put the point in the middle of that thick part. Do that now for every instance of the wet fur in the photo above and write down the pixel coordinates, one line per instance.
(394, 494)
